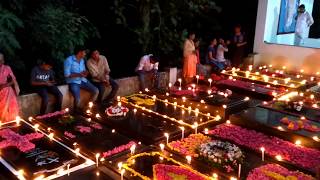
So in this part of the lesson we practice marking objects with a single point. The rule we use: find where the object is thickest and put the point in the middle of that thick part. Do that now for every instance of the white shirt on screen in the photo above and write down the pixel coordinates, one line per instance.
(304, 21)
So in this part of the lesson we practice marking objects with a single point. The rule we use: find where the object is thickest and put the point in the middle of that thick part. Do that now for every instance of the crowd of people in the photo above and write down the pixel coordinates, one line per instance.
(77, 73)
(93, 75)
(215, 54)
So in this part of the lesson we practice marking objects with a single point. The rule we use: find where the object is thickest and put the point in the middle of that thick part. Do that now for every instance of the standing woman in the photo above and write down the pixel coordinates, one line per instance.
(189, 58)
(9, 90)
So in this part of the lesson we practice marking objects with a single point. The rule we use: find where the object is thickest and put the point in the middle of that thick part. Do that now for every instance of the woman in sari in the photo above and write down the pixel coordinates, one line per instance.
(189, 59)
(9, 90)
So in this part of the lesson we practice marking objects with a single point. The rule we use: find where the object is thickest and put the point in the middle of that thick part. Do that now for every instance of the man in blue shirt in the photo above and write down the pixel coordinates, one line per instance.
(75, 73)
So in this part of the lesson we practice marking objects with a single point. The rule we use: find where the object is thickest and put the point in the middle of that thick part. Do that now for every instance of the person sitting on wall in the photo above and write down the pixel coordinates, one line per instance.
(221, 61)
(148, 64)
(99, 69)
(75, 73)
(42, 79)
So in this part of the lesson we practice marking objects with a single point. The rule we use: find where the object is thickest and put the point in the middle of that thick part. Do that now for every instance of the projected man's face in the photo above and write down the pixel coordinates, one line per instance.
(301, 10)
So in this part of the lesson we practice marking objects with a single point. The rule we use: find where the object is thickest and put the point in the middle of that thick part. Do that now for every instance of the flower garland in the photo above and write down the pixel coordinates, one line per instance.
(252, 87)
(299, 125)
(302, 156)
(169, 172)
(189, 145)
(131, 161)
(50, 115)
(222, 153)
(118, 149)
(140, 99)
(276, 172)
(83, 129)
(69, 135)
(22, 142)
(116, 111)
(96, 126)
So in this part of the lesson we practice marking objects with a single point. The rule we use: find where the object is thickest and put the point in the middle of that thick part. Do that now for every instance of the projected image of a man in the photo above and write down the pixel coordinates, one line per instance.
(304, 21)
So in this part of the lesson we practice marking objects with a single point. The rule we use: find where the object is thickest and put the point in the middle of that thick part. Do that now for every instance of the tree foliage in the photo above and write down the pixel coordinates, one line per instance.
(9, 23)
(58, 31)
(161, 25)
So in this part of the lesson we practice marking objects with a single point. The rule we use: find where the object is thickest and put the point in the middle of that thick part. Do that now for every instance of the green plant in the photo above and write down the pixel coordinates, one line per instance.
(58, 31)
(9, 23)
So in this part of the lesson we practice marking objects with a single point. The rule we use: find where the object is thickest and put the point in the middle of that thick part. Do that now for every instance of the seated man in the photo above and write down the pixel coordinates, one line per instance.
(99, 69)
(75, 73)
(42, 79)
(221, 62)
(148, 65)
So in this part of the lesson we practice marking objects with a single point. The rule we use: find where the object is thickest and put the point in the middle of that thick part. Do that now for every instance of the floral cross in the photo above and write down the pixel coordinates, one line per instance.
(16, 140)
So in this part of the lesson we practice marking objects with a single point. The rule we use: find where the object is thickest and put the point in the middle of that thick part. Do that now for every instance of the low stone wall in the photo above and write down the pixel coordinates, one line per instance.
(30, 103)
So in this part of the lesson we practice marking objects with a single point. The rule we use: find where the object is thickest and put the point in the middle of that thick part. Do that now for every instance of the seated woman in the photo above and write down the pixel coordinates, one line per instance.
(9, 90)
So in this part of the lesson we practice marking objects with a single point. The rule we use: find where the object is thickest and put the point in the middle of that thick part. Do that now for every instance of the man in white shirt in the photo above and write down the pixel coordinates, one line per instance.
(304, 21)
(148, 64)
(99, 69)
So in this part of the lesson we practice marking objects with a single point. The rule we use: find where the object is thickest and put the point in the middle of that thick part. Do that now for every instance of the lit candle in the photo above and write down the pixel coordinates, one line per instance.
(118, 98)
(97, 159)
(67, 109)
(20, 174)
(188, 159)
(132, 149)
(206, 131)
(18, 119)
(262, 149)
(68, 169)
(90, 104)
(36, 127)
(77, 151)
(196, 127)
(161, 146)
(182, 132)
(167, 137)
(210, 81)
(98, 116)
(170, 85)
(122, 173)
(228, 122)
(120, 166)
(197, 76)
(209, 91)
(215, 176)
(51, 136)
(250, 67)
(278, 157)
(180, 80)
(239, 171)
(30, 119)
(298, 142)
(184, 99)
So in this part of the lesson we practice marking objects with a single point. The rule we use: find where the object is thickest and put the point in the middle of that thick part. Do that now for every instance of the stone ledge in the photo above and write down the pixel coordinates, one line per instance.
(30, 103)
